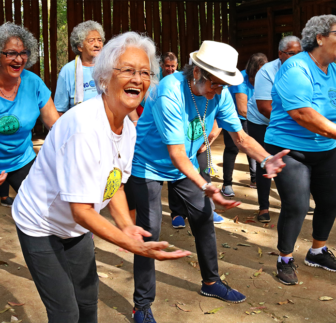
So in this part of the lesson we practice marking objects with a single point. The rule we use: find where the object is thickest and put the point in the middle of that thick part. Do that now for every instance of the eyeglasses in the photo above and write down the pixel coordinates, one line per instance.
(216, 85)
(290, 53)
(129, 72)
(14, 54)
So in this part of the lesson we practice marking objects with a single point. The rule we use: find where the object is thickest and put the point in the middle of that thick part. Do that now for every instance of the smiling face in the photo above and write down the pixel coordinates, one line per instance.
(168, 67)
(128, 91)
(12, 67)
(329, 44)
(92, 45)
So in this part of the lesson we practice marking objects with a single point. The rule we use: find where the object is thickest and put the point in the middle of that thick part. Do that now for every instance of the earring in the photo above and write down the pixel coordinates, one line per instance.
(320, 43)
(194, 81)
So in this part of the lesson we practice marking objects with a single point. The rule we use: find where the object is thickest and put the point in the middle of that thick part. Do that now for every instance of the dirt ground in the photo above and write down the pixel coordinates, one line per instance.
(178, 282)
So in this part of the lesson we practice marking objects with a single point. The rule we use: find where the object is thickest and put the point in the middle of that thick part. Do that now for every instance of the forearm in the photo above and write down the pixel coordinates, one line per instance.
(265, 107)
(241, 101)
(134, 117)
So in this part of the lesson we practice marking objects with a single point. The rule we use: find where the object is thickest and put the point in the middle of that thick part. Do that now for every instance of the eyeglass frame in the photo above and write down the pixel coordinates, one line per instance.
(290, 53)
(17, 54)
(151, 74)
(218, 85)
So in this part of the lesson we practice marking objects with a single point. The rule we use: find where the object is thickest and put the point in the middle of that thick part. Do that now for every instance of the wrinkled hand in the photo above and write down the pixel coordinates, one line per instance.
(214, 193)
(275, 164)
(3, 176)
(202, 149)
(136, 233)
(154, 250)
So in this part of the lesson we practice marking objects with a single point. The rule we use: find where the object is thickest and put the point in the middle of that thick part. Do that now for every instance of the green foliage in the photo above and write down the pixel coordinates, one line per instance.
(62, 34)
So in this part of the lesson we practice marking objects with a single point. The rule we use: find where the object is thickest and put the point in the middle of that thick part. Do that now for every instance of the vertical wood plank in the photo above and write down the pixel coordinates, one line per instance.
(183, 49)
(124, 13)
(88, 9)
(116, 17)
(97, 11)
(309, 11)
(8, 10)
(232, 23)
(190, 27)
(196, 42)
(217, 36)
(78, 5)
(157, 26)
(149, 19)
(209, 20)
(225, 27)
(173, 28)
(26, 13)
(270, 22)
(140, 17)
(203, 21)
(165, 26)
(17, 12)
(2, 16)
(36, 30)
(107, 19)
(71, 25)
(53, 45)
(134, 17)
(296, 18)
(45, 43)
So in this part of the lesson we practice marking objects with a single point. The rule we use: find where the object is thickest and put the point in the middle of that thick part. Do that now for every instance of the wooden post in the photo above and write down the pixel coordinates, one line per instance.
(196, 43)
(53, 44)
(165, 26)
(26, 13)
(270, 21)
(124, 16)
(71, 25)
(2, 16)
(183, 53)
(45, 43)
(116, 17)
(133, 15)
(8, 10)
(107, 19)
(149, 19)
(173, 28)
(140, 16)
(17, 12)
(296, 18)
(157, 26)
(217, 36)
(232, 23)
(209, 20)
(78, 9)
(225, 30)
(88, 9)
(36, 30)
(97, 11)
(203, 21)
(190, 27)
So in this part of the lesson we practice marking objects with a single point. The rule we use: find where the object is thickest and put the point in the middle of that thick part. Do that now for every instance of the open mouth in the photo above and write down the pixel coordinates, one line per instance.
(132, 91)
(15, 68)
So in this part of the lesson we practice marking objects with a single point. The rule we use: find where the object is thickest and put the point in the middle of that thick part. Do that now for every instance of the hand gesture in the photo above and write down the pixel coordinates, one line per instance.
(214, 193)
(275, 164)
(136, 232)
(3, 176)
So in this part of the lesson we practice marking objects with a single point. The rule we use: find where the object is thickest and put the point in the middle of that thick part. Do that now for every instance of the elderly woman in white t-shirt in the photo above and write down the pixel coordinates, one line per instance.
(82, 167)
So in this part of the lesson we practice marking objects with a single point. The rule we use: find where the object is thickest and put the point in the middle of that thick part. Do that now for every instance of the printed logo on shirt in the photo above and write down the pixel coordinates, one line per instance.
(89, 84)
(332, 97)
(9, 125)
(113, 183)
(195, 129)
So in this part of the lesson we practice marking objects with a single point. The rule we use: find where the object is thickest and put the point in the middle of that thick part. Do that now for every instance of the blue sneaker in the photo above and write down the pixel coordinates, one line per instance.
(143, 314)
(178, 222)
(222, 291)
(217, 218)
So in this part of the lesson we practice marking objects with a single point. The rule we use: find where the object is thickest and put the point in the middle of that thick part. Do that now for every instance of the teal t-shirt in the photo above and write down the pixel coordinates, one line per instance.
(300, 83)
(246, 87)
(170, 118)
(17, 119)
(65, 90)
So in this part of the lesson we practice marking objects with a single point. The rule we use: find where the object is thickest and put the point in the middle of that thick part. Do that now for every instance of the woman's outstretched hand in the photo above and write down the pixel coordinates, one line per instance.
(213, 192)
(3, 176)
(275, 164)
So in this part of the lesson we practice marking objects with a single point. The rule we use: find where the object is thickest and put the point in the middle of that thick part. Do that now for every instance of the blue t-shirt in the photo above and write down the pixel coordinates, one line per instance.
(262, 91)
(170, 118)
(246, 87)
(300, 83)
(17, 119)
(161, 75)
(65, 90)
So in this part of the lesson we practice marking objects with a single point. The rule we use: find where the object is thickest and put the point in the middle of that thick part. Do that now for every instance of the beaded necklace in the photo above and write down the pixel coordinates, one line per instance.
(8, 97)
(210, 169)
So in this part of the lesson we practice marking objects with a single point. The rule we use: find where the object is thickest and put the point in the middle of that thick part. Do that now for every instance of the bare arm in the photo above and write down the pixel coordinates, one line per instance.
(3, 176)
(49, 114)
(134, 117)
(314, 121)
(241, 101)
(265, 107)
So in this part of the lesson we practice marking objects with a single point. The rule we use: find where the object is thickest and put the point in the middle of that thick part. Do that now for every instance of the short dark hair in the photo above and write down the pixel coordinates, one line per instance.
(254, 63)
(170, 55)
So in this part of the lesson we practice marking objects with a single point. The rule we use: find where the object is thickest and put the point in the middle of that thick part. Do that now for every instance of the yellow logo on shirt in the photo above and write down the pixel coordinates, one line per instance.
(113, 183)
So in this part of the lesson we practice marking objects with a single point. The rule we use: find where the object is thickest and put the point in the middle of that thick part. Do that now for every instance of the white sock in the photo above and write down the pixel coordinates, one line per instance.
(316, 251)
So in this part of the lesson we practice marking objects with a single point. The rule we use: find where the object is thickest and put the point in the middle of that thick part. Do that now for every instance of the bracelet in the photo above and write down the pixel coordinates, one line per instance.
(134, 121)
(204, 186)
(263, 163)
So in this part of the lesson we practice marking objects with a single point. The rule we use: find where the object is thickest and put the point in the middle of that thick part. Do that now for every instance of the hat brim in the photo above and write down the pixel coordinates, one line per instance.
(235, 78)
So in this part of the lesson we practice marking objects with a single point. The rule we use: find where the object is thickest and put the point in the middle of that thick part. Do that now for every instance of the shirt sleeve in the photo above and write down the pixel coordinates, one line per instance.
(263, 85)
(294, 89)
(168, 117)
(78, 169)
(62, 96)
(226, 116)
(241, 88)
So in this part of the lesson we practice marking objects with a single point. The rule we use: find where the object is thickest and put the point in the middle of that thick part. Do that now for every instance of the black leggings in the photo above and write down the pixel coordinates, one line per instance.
(229, 157)
(257, 132)
(305, 173)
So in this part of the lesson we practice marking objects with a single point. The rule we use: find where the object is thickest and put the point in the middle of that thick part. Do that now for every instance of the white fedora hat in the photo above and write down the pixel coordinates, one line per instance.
(220, 60)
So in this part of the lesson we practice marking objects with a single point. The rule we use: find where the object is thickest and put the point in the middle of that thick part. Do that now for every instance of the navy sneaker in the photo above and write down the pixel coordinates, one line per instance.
(217, 218)
(8, 201)
(143, 314)
(325, 260)
(287, 272)
(222, 291)
(178, 222)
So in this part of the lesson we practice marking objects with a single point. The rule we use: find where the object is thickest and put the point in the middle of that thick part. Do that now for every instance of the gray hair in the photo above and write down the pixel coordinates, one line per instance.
(319, 25)
(9, 30)
(284, 42)
(81, 31)
(188, 72)
(108, 58)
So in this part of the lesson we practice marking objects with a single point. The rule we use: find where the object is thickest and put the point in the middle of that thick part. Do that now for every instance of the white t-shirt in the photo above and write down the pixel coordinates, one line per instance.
(77, 163)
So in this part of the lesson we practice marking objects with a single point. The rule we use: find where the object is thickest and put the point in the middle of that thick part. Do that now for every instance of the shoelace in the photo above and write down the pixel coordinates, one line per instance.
(291, 265)
(148, 315)
(331, 254)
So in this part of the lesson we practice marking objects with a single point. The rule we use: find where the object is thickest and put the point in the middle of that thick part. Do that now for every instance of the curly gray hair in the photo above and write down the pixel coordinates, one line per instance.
(108, 58)
(318, 25)
(81, 31)
(9, 30)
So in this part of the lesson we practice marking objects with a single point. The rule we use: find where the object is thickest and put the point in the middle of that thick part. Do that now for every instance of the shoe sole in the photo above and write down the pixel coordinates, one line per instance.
(286, 283)
(219, 222)
(5, 205)
(178, 226)
(312, 264)
(227, 195)
(264, 221)
(223, 299)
